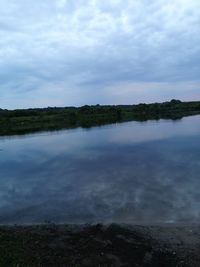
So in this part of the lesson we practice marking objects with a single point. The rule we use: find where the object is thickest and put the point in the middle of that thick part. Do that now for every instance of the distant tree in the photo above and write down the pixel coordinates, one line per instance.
(175, 101)
(85, 109)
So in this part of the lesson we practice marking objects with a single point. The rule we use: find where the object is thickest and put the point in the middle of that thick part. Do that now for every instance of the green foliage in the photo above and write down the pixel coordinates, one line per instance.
(23, 121)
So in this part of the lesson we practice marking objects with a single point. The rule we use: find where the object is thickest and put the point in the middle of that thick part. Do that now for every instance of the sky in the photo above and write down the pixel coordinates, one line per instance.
(72, 53)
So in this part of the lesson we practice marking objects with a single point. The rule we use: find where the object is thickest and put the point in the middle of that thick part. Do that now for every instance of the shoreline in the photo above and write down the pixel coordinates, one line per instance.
(100, 245)
(26, 121)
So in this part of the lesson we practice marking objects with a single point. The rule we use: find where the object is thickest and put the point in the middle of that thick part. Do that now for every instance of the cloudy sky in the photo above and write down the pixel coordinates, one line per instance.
(76, 52)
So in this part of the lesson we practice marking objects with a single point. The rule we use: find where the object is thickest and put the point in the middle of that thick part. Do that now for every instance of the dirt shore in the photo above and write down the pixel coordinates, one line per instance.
(99, 245)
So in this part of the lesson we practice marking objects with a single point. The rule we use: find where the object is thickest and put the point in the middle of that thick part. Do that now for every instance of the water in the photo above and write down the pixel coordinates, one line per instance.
(134, 172)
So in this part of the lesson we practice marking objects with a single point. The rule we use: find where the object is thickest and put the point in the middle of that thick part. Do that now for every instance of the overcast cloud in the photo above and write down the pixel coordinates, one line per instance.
(67, 52)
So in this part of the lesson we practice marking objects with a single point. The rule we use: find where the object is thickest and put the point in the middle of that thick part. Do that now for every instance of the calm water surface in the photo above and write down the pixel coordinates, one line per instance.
(134, 172)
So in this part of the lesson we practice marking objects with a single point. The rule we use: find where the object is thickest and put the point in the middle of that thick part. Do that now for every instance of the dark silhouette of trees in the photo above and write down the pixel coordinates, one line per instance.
(22, 121)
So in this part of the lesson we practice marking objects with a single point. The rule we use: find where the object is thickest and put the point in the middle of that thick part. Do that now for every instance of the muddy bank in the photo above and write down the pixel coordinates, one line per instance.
(98, 245)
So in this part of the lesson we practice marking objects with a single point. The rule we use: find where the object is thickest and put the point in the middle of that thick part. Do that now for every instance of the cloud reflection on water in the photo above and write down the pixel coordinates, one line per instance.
(132, 172)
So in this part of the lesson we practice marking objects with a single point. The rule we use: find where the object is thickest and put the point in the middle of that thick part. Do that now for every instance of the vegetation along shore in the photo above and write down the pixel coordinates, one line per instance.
(22, 121)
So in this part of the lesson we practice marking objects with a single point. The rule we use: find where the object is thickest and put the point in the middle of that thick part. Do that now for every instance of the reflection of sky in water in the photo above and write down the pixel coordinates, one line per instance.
(132, 172)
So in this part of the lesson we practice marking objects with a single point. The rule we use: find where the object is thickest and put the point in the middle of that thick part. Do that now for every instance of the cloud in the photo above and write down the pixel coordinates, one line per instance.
(83, 47)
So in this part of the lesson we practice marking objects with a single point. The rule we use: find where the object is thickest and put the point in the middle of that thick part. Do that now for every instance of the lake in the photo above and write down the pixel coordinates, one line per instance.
(133, 172)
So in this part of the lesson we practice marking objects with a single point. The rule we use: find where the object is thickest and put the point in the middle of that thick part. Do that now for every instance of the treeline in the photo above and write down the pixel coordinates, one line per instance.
(22, 121)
